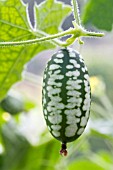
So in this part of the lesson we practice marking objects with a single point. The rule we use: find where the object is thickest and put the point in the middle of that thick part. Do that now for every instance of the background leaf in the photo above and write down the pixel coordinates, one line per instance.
(14, 26)
(50, 14)
(85, 164)
(19, 154)
(99, 13)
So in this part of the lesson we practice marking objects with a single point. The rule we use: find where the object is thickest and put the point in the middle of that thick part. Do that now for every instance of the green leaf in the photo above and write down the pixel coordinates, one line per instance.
(12, 61)
(16, 147)
(50, 14)
(29, 105)
(84, 164)
(106, 156)
(44, 156)
(14, 27)
(20, 155)
(99, 13)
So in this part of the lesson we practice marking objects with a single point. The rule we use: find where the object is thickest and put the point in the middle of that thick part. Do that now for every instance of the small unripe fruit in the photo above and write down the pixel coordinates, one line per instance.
(66, 96)
(12, 105)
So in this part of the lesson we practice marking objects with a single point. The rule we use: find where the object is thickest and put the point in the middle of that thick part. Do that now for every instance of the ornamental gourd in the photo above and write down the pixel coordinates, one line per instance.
(66, 96)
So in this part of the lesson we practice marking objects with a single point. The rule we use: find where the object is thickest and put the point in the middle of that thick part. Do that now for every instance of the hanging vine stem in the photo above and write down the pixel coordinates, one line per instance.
(76, 12)
(76, 32)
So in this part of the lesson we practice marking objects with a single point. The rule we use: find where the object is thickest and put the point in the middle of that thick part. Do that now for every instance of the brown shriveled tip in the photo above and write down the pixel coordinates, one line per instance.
(63, 150)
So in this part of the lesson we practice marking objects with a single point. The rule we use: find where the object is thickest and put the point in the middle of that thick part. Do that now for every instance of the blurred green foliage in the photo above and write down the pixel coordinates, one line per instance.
(94, 149)
(99, 13)
(103, 69)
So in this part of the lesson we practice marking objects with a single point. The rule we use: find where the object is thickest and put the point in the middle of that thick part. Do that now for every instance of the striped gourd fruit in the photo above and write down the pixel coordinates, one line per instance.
(66, 96)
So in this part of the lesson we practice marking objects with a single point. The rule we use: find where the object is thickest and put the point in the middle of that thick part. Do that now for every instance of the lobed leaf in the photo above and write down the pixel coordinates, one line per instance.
(15, 27)
(50, 14)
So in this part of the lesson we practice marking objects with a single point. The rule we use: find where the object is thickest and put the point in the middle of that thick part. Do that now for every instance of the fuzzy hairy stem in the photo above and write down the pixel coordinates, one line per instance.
(37, 40)
(75, 32)
(76, 12)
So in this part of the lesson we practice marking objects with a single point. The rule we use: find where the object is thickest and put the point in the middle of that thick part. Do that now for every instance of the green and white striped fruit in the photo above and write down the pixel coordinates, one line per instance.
(66, 96)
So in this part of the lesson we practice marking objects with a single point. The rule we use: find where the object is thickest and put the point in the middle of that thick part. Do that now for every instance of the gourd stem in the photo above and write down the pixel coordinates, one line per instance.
(63, 150)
